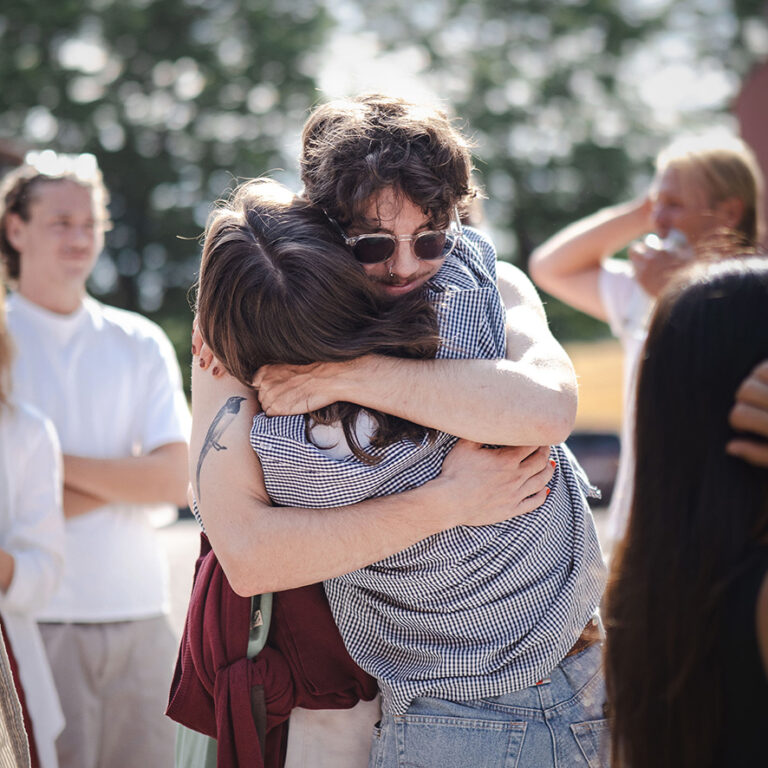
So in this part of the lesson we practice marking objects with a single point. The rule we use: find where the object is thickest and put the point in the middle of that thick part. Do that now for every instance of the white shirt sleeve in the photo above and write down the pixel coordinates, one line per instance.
(33, 530)
(626, 303)
(164, 414)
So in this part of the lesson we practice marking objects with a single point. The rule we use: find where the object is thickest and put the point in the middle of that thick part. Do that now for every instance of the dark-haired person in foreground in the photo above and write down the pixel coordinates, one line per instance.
(471, 619)
(686, 610)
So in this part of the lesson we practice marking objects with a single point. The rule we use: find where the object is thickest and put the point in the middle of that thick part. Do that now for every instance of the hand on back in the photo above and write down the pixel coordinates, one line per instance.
(488, 485)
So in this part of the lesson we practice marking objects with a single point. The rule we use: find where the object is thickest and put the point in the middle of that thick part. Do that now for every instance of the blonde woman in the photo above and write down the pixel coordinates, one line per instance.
(31, 552)
(705, 199)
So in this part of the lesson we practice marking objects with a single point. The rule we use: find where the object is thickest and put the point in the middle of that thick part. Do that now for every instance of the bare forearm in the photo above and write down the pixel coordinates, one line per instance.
(502, 402)
(7, 564)
(528, 399)
(77, 503)
(264, 548)
(158, 477)
(568, 264)
(585, 243)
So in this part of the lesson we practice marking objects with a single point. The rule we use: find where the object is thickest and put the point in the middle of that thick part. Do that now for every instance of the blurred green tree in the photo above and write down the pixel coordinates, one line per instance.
(569, 100)
(176, 98)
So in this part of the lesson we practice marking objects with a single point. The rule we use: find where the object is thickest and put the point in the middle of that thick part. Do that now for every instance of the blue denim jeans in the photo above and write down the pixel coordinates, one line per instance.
(559, 723)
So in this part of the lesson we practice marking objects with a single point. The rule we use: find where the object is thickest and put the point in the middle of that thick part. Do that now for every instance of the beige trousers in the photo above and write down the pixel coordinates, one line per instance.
(113, 681)
(332, 738)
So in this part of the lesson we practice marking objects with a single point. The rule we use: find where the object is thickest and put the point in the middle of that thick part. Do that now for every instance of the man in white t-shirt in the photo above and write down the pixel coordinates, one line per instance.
(705, 198)
(110, 382)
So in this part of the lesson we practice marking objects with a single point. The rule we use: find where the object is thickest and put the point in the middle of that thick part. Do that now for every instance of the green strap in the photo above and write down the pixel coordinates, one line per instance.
(261, 615)
(196, 750)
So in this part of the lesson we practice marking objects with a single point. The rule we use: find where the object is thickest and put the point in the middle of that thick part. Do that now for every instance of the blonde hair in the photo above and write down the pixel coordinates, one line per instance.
(6, 352)
(724, 167)
(20, 186)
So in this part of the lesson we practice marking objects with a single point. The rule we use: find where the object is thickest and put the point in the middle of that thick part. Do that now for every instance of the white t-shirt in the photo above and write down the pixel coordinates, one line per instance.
(32, 530)
(110, 382)
(629, 309)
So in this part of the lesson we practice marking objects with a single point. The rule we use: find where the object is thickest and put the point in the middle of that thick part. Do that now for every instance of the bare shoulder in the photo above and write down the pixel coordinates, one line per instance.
(516, 288)
(762, 622)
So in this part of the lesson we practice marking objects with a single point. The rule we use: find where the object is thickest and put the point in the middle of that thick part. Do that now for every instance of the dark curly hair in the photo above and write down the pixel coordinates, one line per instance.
(353, 148)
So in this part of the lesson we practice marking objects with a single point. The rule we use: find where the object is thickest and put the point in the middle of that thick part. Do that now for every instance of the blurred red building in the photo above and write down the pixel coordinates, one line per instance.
(751, 108)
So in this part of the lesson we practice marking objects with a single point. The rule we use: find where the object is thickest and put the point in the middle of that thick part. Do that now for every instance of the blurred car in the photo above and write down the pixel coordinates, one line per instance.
(598, 453)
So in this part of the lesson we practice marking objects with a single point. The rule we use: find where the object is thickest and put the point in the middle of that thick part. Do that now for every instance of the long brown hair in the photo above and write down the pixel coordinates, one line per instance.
(278, 285)
(696, 515)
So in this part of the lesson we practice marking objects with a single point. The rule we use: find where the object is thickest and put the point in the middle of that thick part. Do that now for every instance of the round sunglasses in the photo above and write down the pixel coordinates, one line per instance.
(426, 246)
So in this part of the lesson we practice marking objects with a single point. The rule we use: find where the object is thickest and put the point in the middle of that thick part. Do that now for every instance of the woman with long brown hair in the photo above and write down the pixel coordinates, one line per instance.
(686, 609)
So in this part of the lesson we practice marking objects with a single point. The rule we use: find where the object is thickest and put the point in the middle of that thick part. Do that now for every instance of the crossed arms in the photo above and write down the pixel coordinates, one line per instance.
(160, 476)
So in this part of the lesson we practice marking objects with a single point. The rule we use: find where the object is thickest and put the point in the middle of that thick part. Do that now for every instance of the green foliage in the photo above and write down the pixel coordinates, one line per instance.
(553, 92)
(177, 98)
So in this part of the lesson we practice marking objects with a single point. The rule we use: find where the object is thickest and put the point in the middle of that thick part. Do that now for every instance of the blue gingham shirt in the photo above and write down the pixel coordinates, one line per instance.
(470, 612)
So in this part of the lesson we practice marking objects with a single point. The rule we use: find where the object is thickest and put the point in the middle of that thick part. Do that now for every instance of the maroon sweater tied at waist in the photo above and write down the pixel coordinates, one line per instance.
(245, 703)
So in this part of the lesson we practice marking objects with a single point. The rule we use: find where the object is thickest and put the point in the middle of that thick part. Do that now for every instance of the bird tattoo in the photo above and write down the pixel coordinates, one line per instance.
(221, 421)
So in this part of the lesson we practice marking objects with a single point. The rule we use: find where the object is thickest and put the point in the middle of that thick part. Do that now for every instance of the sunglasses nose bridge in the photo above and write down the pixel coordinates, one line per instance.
(403, 261)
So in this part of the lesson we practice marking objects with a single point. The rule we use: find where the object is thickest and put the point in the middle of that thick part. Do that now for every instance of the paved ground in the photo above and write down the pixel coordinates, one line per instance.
(182, 543)
(182, 540)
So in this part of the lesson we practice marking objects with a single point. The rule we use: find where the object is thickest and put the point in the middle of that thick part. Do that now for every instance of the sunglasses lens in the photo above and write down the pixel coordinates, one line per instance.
(429, 245)
(373, 250)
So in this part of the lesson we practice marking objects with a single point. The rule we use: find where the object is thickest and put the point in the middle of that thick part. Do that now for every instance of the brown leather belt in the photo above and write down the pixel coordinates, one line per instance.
(592, 634)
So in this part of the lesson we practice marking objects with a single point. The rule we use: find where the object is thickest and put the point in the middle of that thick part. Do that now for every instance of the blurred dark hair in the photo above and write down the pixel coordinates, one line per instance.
(696, 514)
(354, 148)
(278, 285)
